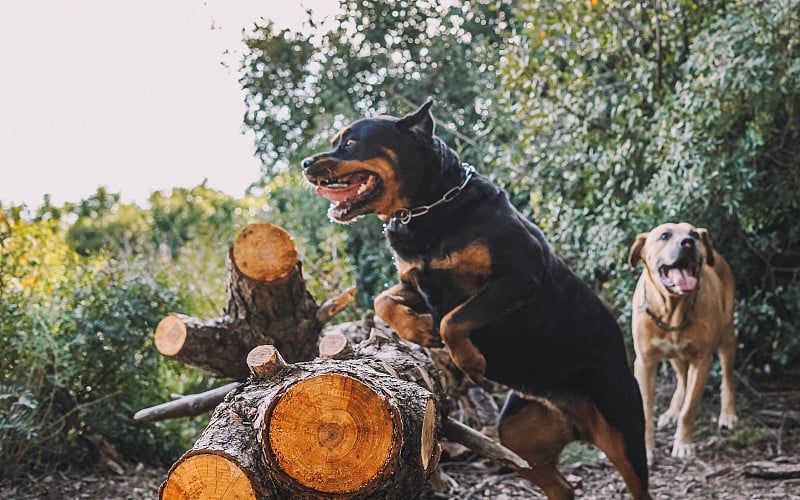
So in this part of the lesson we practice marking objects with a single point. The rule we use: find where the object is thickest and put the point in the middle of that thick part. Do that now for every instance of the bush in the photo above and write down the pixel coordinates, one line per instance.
(78, 336)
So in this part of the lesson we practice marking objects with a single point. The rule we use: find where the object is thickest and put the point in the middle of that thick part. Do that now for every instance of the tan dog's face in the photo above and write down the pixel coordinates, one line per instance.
(674, 255)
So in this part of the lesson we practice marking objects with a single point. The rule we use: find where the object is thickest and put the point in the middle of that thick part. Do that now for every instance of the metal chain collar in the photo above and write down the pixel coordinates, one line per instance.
(404, 215)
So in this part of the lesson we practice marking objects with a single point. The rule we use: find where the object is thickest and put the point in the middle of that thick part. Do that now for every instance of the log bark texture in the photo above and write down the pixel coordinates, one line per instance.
(267, 303)
(362, 423)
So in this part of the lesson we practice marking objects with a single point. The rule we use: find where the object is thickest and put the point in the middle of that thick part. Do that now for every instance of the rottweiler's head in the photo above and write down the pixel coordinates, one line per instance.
(674, 255)
(376, 165)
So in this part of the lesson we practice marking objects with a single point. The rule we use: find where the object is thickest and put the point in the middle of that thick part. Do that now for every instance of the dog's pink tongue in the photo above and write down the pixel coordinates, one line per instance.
(683, 280)
(337, 195)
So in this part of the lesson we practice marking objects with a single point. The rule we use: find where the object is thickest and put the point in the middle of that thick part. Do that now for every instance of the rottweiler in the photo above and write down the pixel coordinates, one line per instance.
(682, 311)
(478, 276)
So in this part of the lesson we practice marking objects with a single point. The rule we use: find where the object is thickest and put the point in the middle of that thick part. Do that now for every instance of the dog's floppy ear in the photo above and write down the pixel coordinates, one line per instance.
(706, 239)
(636, 249)
(420, 122)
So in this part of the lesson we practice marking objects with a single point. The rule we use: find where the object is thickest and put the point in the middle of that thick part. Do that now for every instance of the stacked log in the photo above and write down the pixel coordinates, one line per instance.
(267, 303)
(360, 421)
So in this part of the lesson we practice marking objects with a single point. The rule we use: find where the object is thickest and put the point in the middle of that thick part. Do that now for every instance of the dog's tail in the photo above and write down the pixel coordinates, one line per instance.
(616, 395)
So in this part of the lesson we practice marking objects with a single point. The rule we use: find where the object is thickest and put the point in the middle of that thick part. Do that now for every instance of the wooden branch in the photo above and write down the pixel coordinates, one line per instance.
(333, 306)
(267, 304)
(483, 445)
(186, 406)
(772, 470)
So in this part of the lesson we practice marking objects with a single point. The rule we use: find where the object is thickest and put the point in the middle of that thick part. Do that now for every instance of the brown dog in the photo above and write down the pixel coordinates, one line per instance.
(682, 311)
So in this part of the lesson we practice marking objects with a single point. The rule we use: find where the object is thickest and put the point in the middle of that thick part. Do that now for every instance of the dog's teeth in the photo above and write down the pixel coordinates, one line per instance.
(362, 188)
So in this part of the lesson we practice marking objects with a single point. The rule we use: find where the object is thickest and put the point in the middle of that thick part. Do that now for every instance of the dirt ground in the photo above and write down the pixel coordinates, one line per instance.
(768, 431)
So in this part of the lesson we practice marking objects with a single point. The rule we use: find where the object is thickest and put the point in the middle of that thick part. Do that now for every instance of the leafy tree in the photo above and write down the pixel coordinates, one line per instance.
(377, 57)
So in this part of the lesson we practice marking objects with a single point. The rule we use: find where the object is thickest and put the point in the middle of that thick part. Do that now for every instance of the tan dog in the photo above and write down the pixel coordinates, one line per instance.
(682, 311)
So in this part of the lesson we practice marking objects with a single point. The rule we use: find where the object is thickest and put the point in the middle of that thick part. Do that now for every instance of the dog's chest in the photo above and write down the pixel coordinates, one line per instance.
(459, 272)
(673, 346)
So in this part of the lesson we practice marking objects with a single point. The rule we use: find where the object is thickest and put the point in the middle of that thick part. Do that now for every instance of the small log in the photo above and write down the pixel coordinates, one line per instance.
(334, 346)
(772, 470)
(265, 360)
(267, 304)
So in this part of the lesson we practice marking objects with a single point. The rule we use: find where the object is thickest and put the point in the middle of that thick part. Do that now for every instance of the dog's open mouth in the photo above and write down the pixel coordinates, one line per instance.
(680, 276)
(349, 193)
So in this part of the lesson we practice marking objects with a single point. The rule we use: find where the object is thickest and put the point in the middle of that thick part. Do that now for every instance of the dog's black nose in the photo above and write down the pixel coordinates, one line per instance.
(307, 162)
(687, 243)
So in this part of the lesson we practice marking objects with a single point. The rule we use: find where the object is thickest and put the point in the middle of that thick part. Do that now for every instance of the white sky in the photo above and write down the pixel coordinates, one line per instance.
(128, 95)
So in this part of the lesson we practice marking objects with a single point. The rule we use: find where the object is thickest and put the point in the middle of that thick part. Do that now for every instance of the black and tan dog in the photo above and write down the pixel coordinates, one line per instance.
(478, 272)
(682, 311)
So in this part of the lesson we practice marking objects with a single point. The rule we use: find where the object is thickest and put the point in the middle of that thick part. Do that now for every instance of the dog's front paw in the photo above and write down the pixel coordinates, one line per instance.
(473, 364)
(418, 328)
(727, 420)
(682, 450)
(651, 457)
(667, 418)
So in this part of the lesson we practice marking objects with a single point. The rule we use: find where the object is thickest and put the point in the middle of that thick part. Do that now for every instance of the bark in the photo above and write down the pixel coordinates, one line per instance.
(267, 304)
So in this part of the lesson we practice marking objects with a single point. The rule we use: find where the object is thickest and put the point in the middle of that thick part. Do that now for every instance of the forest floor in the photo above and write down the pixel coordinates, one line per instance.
(768, 431)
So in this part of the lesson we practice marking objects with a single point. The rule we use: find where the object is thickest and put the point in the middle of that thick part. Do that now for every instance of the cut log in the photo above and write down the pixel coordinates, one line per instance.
(365, 425)
(221, 464)
(267, 304)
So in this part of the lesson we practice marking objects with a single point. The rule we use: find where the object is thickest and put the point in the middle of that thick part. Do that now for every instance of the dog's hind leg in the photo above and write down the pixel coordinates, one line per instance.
(669, 417)
(727, 355)
(538, 431)
(595, 429)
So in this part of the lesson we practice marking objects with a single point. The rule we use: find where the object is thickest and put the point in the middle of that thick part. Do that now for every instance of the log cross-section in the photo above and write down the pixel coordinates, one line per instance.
(267, 304)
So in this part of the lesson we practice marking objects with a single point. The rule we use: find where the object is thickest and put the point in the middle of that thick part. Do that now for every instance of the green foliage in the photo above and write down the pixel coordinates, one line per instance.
(76, 340)
(635, 114)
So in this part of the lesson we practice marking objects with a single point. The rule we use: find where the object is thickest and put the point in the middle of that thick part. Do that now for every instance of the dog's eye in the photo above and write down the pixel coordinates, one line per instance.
(348, 143)
(665, 236)
(694, 234)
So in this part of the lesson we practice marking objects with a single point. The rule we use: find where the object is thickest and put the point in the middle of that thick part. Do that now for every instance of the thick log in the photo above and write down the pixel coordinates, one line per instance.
(267, 304)
(221, 464)
(366, 425)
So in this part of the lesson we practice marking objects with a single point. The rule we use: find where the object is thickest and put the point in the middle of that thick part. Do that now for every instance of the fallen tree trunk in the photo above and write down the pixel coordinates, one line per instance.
(359, 421)
(267, 304)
